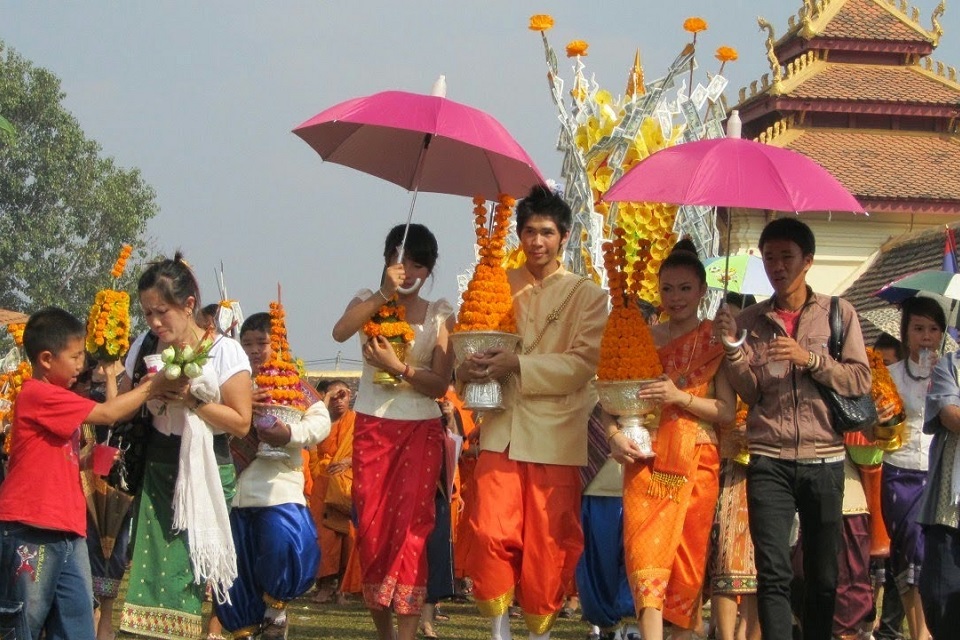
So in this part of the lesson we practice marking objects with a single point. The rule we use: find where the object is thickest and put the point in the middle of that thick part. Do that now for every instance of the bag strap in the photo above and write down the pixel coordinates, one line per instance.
(836, 329)
(554, 315)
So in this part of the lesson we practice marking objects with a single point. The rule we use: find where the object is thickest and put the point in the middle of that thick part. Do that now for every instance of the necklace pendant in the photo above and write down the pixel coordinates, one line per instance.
(682, 381)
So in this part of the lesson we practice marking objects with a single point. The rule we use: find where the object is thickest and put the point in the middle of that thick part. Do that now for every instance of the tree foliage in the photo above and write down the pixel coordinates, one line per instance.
(64, 210)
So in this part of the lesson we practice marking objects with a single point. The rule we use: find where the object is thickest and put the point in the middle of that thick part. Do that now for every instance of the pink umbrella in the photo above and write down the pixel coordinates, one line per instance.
(423, 143)
(731, 172)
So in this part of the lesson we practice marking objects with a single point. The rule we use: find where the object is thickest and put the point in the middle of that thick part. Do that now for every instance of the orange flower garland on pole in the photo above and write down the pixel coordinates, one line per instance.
(108, 324)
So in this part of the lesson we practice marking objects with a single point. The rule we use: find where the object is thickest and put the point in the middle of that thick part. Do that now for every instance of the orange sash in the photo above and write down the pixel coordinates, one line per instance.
(691, 361)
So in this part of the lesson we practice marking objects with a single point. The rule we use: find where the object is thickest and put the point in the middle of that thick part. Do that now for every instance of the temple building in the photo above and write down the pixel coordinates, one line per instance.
(853, 85)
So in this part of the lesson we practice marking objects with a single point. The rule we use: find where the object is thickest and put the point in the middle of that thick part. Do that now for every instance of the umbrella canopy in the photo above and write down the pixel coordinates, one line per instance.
(731, 172)
(423, 142)
(941, 283)
(745, 274)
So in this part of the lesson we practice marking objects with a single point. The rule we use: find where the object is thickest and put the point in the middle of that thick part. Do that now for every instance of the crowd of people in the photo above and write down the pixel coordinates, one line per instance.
(751, 501)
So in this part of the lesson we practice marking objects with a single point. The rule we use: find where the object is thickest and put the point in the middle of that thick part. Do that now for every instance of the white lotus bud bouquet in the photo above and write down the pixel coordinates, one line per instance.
(185, 360)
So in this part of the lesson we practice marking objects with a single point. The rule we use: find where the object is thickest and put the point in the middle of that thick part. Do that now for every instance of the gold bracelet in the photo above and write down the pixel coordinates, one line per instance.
(610, 435)
(383, 295)
(811, 360)
(689, 402)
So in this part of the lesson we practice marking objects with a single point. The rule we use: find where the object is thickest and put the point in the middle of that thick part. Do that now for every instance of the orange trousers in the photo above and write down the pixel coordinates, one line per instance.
(526, 537)
(666, 541)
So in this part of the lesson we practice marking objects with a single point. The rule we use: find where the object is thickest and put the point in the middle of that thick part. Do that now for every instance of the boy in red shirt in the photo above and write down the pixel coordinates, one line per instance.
(43, 555)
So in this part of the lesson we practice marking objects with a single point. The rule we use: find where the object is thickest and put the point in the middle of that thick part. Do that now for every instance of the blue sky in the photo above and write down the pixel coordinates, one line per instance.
(201, 97)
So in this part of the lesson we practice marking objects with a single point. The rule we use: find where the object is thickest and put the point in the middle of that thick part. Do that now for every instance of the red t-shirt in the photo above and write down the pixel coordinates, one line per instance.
(790, 319)
(42, 487)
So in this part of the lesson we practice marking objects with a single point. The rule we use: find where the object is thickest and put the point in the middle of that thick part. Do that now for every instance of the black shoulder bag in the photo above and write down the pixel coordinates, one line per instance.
(131, 437)
(850, 413)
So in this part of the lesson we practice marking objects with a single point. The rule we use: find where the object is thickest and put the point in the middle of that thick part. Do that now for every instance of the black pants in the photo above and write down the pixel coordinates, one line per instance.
(891, 616)
(776, 490)
(940, 580)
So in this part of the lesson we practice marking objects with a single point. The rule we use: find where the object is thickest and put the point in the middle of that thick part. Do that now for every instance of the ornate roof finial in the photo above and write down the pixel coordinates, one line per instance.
(635, 86)
(935, 19)
(775, 70)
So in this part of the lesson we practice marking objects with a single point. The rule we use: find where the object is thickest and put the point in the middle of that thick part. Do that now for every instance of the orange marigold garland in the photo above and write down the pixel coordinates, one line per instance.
(488, 301)
(108, 324)
(627, 351)
(10, 384)
(279, 375)
(390, 321)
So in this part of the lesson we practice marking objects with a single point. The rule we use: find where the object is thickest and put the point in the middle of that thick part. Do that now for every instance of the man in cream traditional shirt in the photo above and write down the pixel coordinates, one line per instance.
(526, 521)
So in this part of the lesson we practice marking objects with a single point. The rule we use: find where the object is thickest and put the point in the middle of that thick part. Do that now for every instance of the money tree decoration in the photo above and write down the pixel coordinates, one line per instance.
(602, 136)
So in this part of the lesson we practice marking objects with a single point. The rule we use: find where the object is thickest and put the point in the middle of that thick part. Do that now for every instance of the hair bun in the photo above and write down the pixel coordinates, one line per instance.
(685, 244)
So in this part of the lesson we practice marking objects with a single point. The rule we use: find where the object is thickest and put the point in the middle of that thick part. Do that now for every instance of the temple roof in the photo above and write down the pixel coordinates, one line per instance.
(867, 20)
(881, 164)
(875, 20)
(874, 83)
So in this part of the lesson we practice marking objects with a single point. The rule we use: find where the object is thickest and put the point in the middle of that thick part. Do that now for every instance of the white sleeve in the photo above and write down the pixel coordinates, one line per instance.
(229, 359)
(314, 427)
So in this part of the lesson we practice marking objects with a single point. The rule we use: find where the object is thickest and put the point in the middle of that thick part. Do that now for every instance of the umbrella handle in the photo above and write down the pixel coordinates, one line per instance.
(411, 288)
(416, 284)
(735, 344)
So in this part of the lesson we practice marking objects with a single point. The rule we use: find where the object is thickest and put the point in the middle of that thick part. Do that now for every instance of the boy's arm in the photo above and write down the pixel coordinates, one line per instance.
(121, 407)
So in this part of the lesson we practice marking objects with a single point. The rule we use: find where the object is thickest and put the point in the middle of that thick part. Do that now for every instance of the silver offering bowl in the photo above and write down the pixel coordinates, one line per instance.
(482, 396)
(619, 398)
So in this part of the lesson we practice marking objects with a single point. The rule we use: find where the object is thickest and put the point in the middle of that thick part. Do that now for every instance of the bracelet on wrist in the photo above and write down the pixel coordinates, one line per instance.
(406, 373)
(811, 360)
(383, 295)
(689, 402)
(734, 356)
(610, 435)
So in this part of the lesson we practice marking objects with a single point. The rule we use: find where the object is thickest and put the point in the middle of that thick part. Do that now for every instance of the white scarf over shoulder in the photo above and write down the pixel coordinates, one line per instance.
(198, 505)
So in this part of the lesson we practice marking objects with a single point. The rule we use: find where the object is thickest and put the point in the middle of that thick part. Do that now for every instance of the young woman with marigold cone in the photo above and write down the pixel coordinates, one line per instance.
(669, 501)
(398, 435)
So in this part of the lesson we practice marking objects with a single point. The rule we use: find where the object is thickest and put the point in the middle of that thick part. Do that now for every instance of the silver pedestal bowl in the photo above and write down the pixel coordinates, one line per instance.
(619, 398)
(482, 396)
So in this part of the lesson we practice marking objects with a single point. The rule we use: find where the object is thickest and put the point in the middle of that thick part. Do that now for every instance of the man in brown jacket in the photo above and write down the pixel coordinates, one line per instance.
(796, 457)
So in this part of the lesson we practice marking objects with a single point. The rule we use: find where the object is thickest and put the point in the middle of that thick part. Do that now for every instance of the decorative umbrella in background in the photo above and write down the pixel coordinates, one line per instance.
(741, 274)
(423, 143)
(941, 283)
